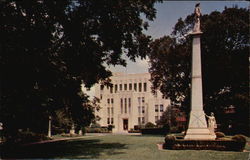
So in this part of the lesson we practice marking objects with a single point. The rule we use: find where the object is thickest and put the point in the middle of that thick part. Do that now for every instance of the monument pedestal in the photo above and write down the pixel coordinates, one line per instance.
(197, 128)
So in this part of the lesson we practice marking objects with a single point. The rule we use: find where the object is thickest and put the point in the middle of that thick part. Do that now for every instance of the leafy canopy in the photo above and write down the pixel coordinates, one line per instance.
(49, 48)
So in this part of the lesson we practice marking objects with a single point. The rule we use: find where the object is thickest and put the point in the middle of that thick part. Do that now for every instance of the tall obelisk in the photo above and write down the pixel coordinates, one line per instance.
(197, 128)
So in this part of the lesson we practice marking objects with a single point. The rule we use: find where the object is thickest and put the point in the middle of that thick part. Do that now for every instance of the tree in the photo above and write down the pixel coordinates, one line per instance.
(49, 48)
(225, 48)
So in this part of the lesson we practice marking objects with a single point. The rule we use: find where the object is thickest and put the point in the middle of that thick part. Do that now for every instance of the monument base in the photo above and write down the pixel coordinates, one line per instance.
(199, 134)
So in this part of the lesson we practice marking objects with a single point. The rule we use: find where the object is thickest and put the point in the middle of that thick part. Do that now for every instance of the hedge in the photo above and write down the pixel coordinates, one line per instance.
(156, 131)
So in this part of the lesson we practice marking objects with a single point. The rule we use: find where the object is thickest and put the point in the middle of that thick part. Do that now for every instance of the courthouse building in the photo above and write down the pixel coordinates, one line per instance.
(129, 102)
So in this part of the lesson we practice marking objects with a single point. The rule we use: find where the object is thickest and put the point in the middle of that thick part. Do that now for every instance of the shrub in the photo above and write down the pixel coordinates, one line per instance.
(95, 125)
(27, 137)
(110, 127)
(155, 131)
(169, 141)
(241, 139)
(134, 131)
(170, 138)
(96, 130)
(220, 135)
(149, 125)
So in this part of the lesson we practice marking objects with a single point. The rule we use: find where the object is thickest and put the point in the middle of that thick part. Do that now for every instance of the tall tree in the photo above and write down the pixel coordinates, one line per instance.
(49, 48)
(225, 49)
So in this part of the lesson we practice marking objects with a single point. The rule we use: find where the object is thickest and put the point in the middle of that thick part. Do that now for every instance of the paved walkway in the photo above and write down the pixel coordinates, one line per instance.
(62, 139)
(87, 135)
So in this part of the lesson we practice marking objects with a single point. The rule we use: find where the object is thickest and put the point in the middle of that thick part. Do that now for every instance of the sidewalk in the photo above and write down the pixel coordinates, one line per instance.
(63, 139)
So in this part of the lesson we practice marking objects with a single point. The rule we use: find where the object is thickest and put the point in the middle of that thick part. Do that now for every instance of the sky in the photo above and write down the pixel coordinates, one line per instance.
(167, 15)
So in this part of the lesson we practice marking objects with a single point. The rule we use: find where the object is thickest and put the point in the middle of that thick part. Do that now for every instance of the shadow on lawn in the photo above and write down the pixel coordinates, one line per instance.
(64, 149)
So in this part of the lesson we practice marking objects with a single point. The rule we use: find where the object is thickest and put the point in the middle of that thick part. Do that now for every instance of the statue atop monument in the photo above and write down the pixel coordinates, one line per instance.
(197, 13)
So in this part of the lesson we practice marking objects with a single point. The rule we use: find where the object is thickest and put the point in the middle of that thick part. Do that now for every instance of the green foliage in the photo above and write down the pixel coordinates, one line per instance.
(27, 137)
(50, 48)
(170, 138)
(95, 125)
(240, 138)
(149, 125)
(225, 64)
(97, 130)
(110, 127)
(219, 134)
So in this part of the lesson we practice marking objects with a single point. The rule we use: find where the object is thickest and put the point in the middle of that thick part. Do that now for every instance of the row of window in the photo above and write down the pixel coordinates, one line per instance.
(127, 87)
(157, 108)
(141, 120)
(127, 103)
(110, 120)
(110, 100)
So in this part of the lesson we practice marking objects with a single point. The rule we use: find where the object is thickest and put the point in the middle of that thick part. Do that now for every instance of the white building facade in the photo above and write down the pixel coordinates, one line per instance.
(129, 102)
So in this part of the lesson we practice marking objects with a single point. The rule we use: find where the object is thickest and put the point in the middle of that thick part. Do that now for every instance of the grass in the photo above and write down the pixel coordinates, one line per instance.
(115, 147)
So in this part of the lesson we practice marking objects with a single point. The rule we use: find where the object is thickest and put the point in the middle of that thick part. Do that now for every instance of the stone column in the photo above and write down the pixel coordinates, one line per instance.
(197, 128)
(49, 127)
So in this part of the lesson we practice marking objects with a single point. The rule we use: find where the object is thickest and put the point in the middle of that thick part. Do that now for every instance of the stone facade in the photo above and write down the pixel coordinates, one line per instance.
(129, 102)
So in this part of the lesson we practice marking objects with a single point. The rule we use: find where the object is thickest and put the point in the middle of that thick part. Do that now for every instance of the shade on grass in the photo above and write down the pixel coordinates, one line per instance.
(115, 147)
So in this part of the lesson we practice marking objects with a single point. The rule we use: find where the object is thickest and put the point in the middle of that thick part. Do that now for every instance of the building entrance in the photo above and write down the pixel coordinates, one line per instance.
(125, 124)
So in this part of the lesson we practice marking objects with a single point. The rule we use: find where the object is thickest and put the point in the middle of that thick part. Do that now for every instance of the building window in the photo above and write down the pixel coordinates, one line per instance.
(120, 87)
(142, 99)
(139, 100)
(102, 87)
(145, 87)
(129, 109)
(139, 109)
(140, 87)
(116, 88)
(108, 120)
(100, 96)
(108, 100)
(121, 105)
(125, 109)
(161, 108)
(130, 86)
(111, 89)
(135, 86)
(112, 100)
(156, 119)
(125, 87)
(139, 120)
(156, 108)
(142, 120)
(143, 109)
(112, 120)
(108, 110)
(112, 110)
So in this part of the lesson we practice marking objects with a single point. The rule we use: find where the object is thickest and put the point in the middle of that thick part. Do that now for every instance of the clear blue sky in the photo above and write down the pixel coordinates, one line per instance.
(167, 15)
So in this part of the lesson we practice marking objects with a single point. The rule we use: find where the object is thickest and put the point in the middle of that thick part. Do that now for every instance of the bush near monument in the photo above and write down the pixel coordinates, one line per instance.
(235, 143)
(219, 135)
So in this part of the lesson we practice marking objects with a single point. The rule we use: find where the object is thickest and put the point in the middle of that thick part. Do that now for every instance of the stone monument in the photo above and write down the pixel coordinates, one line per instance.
(197, 128)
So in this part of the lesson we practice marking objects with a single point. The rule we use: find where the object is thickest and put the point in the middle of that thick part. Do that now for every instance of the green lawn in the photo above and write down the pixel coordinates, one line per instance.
(116, 147)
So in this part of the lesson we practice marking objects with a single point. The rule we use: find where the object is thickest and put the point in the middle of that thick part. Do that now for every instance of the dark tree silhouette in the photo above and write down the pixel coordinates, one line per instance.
(49, 48)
